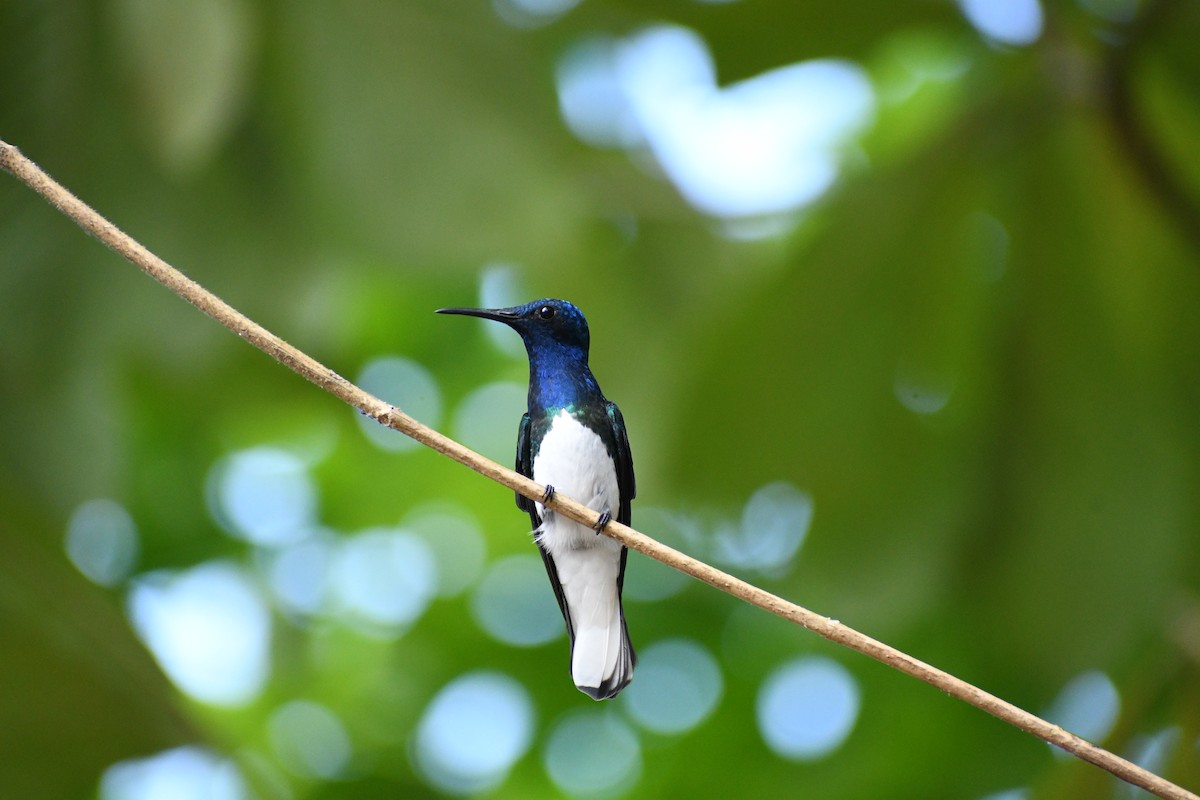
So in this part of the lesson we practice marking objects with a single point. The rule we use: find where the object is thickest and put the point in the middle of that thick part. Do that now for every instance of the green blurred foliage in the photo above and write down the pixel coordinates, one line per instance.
(339, 172)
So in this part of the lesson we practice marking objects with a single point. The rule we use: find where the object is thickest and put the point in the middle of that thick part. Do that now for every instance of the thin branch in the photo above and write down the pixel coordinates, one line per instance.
(29, 173)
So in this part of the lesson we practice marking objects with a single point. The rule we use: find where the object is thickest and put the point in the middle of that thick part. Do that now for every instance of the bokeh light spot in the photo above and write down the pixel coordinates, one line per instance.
(457, 544)
(1008, 794)
(678, 685)
(500, 286)
(383, 579)
(102, 541)
(298, 574)
(263, 495)
(515, 604)
(774, 524)
(1150, 752)
(185, 773)
(405, 384)
(650, 580)
(309, 739)
(208, 628)
(915, 59)
(767, 145)
(487, 419)
(591, 98)
(473, 731)
(921, 391)
(1087, 706)
(1013, 22)
(807, 708)
(592, 752)
(531, 13)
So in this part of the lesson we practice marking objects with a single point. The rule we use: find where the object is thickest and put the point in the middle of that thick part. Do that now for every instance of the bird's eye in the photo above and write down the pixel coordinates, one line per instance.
(546, 312)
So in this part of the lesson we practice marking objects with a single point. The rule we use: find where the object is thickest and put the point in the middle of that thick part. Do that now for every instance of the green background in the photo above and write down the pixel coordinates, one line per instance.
(1022, 234)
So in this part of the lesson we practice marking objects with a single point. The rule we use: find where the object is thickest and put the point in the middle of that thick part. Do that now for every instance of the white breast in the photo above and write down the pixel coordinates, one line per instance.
(575, 462)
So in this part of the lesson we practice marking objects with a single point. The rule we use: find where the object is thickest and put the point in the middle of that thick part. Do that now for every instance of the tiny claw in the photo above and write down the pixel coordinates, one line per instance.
(548, 495)
(605, 518)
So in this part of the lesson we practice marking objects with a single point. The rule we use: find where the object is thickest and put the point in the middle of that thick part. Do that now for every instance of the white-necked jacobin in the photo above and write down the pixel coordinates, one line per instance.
(572, 439)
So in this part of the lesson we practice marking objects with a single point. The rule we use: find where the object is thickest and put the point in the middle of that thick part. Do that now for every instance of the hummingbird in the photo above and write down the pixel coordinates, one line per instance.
(572, 439)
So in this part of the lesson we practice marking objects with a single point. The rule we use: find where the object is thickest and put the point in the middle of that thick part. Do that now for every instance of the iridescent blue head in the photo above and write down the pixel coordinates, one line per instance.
(556, 338)
(548, 327)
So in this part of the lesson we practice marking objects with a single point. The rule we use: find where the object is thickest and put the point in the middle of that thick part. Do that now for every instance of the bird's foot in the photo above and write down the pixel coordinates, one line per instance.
(605, 518)
(548, 495)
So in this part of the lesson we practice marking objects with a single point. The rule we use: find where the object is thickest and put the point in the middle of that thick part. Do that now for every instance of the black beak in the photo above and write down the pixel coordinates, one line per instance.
(505, 315)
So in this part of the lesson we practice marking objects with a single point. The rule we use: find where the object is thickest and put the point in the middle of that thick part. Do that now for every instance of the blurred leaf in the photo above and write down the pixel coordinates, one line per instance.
(190, 66)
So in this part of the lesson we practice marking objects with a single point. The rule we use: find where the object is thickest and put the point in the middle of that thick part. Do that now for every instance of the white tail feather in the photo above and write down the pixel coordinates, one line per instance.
(600, 656)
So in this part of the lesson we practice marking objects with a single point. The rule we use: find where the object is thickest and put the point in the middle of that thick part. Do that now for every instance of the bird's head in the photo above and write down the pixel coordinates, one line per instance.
(544, 324)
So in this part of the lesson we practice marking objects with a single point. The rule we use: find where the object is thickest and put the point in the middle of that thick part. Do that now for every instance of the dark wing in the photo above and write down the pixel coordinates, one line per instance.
(556, 584)
(525, 467)
(626, 484)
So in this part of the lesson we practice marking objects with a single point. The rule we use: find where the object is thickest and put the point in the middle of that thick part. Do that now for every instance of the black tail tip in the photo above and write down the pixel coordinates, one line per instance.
(609, 689)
